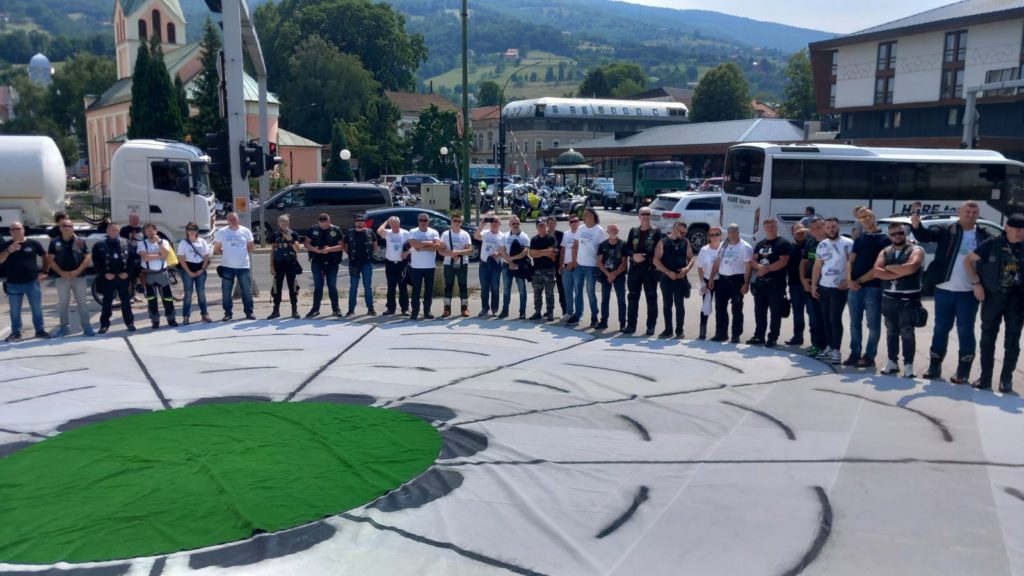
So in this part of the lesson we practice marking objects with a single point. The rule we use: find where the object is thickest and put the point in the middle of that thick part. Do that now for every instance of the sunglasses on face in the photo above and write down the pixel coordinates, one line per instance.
(323, 219)
(714, 234)
(897, 233)
(574, 221)
(67, 226)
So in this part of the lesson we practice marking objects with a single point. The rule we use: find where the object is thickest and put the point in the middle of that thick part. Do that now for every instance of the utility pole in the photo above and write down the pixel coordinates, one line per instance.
(466, 126)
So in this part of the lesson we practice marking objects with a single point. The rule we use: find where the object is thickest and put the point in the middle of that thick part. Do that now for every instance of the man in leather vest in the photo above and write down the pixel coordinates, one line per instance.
(898, 267)
(360, 244)
(117, 263)
(69, 257)
(324, 244)
(674, 258)
(996, 271)
(642, 275)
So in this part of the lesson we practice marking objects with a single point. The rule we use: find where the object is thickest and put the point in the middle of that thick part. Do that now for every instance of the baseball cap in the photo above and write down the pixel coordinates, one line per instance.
(1016, 220)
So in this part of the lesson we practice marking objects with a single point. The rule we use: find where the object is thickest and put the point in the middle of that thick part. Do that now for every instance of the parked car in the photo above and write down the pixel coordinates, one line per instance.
(602, 191)
(930, 221)
(305, 202)
(700, 211)
(414, 181)
(409, 218)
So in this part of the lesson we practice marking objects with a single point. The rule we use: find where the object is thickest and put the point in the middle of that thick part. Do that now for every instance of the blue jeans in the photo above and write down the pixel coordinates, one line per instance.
(961, 307)
(198, 284)
(866, 300)
(798, 299)
(15, 292)
(322, 272)
(354, 272)
(619, 286)
(520, 284)
(590, 284)
(490, 284)
(573, 281)
(227, 284)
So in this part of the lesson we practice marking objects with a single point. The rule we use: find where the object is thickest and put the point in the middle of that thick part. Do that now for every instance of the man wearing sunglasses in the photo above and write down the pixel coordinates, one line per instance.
(898, 269)
(23, 258)
(324, 245)
(640, 245)
(425, 243)
(69, 257)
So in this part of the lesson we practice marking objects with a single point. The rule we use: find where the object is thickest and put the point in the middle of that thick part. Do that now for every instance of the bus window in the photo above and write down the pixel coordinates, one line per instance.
(1013, 193)
(744, 169)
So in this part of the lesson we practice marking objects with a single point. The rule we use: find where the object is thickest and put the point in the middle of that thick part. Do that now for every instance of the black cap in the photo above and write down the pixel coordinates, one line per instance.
(1016, 220)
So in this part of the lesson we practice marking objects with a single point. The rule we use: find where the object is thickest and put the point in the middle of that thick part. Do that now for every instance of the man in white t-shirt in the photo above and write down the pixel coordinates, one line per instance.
(491, 241)
(706, 259)
(589, 238)
(829, 286)
(456, 247)
(395, 261)
(515, 248)
(424, 242)
(730, 280)
(572, 274)
(235, 245)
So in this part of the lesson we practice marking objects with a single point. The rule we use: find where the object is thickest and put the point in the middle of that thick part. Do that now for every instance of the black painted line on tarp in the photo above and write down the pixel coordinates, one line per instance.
(544, 410)
(684, 392)
(495, 369)
(641, 496)
(766, 416)
(701, 358)
(443, 545)
(605, 369)
(1015, 493)
(420, 368)
(247, 352)
(946, 434)
(230, 336)
(473, 334)
(328, 364)
(824, 531)
(776, 381)
(757, 461)
(237, 369)
(43, 375)
(441, 350)
(18, 401)
(639, 428)
(145, 372)
(32, 434)
(533, 383)
(158, 567)
(41, 356)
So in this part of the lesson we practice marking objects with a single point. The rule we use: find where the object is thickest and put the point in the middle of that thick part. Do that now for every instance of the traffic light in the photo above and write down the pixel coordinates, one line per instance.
(271, 160)
(502, 147)
(219, 153)
(251, 155)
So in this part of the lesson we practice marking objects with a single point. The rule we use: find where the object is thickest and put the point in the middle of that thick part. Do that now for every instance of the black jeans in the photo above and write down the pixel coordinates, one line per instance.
(559, 287)
(816, 321)
(165, 296)
(282, 272)
(833, 302)
(119, 286)
(899, 313)
(644, 278)
(619, 287)
(769, 295)
(999, 307)
(673, 293)
(393, 271)
(727, 294)
(422, 280)
(798, 300)
(451, 275)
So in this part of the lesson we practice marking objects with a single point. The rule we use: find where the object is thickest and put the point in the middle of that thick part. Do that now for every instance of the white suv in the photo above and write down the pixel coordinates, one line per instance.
(699, 210)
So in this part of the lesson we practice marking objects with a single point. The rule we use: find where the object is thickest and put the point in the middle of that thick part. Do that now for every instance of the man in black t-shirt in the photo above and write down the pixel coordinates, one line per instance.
(640, 246)
(865, 291)
(69, 257)
(22, 258)
(769, 263)
(552, 228)
(798, 303)
(324, 243)
(543, 251)
(611, 275)
(132, 231)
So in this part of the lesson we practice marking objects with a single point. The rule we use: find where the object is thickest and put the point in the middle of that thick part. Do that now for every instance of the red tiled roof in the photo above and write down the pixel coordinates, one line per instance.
(484, 113)
(414, 103)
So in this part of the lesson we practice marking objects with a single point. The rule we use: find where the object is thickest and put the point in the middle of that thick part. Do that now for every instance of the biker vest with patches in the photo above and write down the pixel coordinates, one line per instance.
(909, 284)
(321, 238)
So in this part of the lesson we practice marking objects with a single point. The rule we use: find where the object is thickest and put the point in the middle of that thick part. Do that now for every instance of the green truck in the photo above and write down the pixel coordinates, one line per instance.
(639, 183)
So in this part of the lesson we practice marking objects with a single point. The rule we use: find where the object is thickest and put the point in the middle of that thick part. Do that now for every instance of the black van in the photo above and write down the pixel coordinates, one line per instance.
(304, 202)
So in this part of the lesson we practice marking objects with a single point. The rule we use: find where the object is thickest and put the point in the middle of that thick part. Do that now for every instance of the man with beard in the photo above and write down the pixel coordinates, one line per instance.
(730, 279)
(797, 296)
(642, 275)
(865, 296)
(999, 284)
(771, 256)
(815, 315)
(828, 284)
(898, 269)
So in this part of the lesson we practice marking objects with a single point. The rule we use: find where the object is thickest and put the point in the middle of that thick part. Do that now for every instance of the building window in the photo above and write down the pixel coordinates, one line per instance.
(625, 110)
(952, 83)
(835, 62)
(956, 46)
(849, 121)
(655, 111)
(884, 87)
(555, 108)
(953, 117)
(832, 95)
(1004, 75)
(639, 112)
(572, 109)
(891, 119)
(156, 24)
(897, 119)
(142, 30)
(526, 147)
(600, 109)
(538, 145)
(554, 143)
(614, 111)
(886, 56)
(172, 33)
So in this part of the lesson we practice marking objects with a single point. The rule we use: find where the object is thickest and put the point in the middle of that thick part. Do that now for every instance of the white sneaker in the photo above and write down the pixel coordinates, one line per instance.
(890, 368)
(835, 358)
(908, 371)
(565, 318)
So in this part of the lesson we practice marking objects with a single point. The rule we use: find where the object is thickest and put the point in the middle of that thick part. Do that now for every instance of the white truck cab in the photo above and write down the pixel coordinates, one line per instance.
(164, 182)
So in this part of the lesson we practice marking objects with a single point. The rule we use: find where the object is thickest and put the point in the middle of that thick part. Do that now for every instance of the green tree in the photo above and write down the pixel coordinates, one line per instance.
(373, 139)
(372, 33)
(692, 73)
(595, 85)
(206, 89)
(549, 76)
(340, 88)
(433, 130)
(142, 103)
(338, 170)
(488, 93)
(604, 82)
(722, 94)
(799, 103)
(626, 89)
(82, 74)
(159, 114)
(182, 101)
(561, 71)
(32, 116)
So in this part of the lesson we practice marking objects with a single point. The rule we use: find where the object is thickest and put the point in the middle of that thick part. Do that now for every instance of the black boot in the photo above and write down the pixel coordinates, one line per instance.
(934, 368)
(275, 314)
(963, 370)
(295, 311)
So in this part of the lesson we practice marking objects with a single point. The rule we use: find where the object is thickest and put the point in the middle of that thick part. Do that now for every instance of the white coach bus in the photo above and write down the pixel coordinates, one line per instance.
(763, 179)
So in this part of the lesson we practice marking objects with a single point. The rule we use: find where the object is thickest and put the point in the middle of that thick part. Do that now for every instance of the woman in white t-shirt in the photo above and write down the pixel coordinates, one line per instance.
(705, 265)
(491, 241)
(589, 236)
(194, 256)
(456, 246)
(154, 250)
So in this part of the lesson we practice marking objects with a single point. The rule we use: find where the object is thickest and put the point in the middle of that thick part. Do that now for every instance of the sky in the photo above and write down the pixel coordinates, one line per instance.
(841, 16)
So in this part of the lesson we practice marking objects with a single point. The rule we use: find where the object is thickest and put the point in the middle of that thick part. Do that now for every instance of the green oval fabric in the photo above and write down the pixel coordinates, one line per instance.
(181, 479)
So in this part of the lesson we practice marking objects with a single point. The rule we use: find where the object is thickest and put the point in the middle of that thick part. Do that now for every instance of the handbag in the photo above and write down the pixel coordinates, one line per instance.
(920, 316)
(296, 267)
(456, 260)
(787, 307)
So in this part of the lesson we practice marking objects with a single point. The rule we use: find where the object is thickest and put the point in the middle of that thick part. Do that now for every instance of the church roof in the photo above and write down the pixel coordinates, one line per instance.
(130, 7)
(121, 91)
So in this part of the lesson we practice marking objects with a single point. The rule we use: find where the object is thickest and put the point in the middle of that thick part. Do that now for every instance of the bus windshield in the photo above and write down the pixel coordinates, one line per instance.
(670, 172)
(744, 172)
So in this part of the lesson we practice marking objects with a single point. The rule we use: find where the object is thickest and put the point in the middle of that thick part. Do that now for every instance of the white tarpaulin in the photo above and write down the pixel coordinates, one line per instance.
(567, 455)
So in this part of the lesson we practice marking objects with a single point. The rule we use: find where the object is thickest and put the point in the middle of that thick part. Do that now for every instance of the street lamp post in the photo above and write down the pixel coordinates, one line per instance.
(345, 156)
(501, 129)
